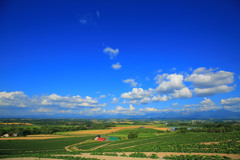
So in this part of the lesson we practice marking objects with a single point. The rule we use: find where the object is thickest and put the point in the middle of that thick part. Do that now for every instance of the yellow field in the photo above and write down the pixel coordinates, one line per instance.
(114, 129)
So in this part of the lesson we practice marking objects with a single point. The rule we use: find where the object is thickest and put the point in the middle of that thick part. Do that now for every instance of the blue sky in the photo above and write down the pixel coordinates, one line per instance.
(121, 57)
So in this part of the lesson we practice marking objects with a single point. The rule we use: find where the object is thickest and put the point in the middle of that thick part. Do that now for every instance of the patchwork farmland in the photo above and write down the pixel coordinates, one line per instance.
(151, 142)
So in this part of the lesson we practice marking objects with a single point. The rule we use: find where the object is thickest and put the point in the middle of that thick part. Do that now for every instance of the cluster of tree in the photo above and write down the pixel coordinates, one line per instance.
(213, 128)
(217, 128)
(132, 135)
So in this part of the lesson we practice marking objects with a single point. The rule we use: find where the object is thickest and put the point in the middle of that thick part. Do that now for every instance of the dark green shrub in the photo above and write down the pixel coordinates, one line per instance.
(132, 135)
(153, 156)
(138, 154)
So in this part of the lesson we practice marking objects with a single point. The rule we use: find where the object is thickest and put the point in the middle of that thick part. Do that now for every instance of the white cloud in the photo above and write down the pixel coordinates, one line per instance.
(131, 81)
(159, 71)
(175, 104)
(145, 100)
(131, 108)
(114, 100)
(43, 110)
(159, 98)
(232, 104)
(132, 101)
(15, 99)
(137, 93)
(191, 105)
(102, 96)
(203, 78)
(65, 111)
(210, 82)
(111, 52)
(205, 105)
(213, 90)
(173, 82)
(95, 109)
(116, 66)
(19, 99)
(182, 93)
(148, 109)
(207, 102)
(120, 110)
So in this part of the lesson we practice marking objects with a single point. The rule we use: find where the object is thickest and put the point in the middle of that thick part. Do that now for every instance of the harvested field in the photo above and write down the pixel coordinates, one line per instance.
(103, 131)
(158, 128)
(114, 129)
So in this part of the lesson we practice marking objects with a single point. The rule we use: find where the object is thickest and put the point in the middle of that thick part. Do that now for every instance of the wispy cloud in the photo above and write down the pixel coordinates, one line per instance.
(116, 66)
(131, 82)
(111, 52)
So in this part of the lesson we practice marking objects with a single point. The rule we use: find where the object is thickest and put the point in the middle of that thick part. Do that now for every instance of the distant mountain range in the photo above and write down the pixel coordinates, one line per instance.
(212, 114)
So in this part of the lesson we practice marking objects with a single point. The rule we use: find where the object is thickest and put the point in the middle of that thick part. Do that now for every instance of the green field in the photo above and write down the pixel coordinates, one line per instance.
(190, 142)
(226, 140)
(142, 132)
(10, 147)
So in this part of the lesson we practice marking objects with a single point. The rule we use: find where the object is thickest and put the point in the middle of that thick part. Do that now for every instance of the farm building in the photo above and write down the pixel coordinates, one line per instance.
(6, 135)
(101, 139)
(15, 134)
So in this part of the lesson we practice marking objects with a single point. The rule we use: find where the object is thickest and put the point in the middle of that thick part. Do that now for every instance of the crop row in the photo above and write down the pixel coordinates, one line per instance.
(190, 142)
(90, 145)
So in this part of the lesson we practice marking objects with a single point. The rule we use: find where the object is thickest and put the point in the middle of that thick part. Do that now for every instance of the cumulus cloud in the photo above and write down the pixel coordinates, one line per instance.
(159, 98)
(169, 83)
(16, 99)
(182, 93)
(207, 102)
(131, 108)
(145, 100)
(95, 109)
(212, 91)
(205, 105)
(137, 93)
(131, 82)
(116, 66)
(19, 99)
(148, 109)
(232, 104)
(210, 82)
(111, 52)
(114, 100)
(120, 110)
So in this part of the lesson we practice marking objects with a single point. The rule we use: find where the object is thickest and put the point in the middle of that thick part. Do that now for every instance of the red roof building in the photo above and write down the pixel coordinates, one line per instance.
(101, 139)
